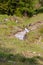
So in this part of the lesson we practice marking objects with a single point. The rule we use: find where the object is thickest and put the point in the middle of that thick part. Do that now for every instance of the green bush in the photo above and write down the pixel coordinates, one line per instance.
(19, 7)
(40, 10)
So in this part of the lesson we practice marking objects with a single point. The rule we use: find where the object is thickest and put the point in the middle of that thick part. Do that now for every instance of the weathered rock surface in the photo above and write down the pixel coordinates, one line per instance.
(21, 35)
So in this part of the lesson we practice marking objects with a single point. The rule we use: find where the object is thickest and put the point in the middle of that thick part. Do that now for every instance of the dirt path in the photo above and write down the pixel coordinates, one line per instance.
(36, 25)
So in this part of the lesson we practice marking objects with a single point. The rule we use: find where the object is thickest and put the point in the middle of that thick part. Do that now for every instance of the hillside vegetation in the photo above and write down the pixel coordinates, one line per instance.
(21, 32)
(25, 52)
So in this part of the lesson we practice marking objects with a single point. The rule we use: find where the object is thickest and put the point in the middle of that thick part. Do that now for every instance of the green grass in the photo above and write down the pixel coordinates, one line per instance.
(15, 46)
(9, 59)
(13, 42)
(38, 17)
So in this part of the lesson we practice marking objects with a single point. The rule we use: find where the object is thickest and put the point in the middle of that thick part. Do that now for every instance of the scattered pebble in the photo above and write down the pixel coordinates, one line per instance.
(39, 55)
(34, 52)
(16, 21)
(6, 19)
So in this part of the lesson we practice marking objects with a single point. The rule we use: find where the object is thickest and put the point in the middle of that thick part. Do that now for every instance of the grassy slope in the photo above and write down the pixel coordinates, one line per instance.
(13, 45)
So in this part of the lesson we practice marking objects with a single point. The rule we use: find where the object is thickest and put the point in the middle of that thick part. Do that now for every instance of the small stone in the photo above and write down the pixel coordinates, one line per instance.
(34, 52)
(39, 55)
(34, 15)
(6, 19)
(16, 21)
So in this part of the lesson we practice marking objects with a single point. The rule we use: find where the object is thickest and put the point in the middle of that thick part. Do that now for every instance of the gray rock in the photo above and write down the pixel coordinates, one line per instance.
(21, 35)
(6, 19)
